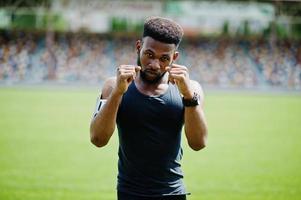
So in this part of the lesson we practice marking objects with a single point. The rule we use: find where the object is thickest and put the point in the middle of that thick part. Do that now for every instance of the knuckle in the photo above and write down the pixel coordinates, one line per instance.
(123, 76)
(121, 67)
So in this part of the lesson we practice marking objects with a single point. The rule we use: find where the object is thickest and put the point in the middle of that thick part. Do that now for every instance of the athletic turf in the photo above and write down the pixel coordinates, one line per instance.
(254, 148)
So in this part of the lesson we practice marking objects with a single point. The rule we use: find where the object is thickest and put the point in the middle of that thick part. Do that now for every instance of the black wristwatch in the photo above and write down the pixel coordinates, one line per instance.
(192, 102)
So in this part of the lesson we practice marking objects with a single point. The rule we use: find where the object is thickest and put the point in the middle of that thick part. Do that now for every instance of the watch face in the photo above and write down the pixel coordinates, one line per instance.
(199, 100)
(196, 98)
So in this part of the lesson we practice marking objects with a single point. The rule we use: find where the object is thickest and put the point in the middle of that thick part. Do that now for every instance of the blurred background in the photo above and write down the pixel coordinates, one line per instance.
(56, 54)
(241, 44)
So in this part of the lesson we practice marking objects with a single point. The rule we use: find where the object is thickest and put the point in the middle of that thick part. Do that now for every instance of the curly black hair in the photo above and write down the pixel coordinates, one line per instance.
(163, 30)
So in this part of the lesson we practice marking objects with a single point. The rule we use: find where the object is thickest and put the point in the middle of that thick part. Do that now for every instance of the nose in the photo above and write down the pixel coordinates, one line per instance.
(154, 64)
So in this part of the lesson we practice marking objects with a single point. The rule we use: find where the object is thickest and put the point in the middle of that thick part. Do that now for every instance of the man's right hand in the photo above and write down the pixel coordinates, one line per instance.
(125, 75)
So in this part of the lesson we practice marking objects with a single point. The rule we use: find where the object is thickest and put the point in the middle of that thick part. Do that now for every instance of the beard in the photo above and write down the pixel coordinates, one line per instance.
(144, 76)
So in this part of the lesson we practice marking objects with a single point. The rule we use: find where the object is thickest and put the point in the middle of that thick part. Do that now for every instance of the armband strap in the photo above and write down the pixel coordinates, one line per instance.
(99, 105)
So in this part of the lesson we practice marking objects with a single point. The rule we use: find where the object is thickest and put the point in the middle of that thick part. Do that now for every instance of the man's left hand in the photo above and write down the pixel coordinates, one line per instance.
(178, 74)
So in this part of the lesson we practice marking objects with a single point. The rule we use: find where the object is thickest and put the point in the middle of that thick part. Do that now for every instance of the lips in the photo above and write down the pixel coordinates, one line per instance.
(151, 72)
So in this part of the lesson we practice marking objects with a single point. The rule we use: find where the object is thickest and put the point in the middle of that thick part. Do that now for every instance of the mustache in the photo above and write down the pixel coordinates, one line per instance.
(151, 71)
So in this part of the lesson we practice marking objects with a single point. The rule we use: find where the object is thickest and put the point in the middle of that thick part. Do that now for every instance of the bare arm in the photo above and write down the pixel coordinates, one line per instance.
(103, 124)
(195, 122)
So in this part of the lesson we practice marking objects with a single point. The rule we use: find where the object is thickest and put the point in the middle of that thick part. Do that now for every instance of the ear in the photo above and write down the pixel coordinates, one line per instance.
(176, 55)
(138, 45)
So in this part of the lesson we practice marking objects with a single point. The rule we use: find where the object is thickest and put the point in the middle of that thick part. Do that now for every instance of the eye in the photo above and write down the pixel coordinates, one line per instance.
(149, 55)
(164, 59)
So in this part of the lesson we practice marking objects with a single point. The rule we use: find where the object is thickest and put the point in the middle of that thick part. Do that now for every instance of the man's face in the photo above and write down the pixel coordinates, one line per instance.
(154, 57)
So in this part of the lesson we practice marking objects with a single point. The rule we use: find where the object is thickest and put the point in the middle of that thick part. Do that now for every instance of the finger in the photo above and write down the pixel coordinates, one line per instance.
(173, 69)
(179, 68)
(173, 65)
(127, 71)
(137, 68)
(171, 80)
(127, 67)
(126, 76)
(178, 72)
(133, 67)
(179, 77)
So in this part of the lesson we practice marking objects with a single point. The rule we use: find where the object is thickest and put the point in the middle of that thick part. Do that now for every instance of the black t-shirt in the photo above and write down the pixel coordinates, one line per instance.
(149, 130)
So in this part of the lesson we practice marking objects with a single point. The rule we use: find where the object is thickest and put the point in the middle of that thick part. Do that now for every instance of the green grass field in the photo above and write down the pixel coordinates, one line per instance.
(254, 149)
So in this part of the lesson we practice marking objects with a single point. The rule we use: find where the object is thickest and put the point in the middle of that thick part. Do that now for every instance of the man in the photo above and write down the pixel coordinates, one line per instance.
(150, 103)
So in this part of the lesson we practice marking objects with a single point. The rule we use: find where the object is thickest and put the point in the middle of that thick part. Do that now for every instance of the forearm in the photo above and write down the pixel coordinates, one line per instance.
(195, 127)
(103, 125)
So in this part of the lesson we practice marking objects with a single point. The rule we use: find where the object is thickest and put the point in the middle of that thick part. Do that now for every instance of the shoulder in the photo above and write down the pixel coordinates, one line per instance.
(108, 87)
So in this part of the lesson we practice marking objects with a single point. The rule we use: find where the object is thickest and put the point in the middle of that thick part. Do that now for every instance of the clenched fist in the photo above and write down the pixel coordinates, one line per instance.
(178, 74)
(125, 75)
